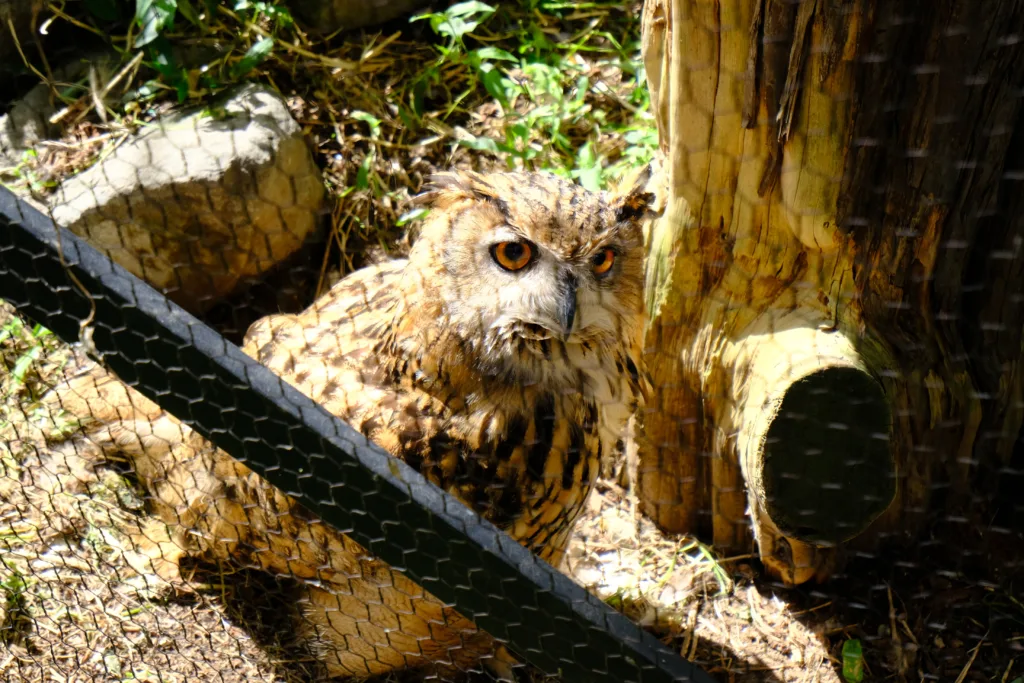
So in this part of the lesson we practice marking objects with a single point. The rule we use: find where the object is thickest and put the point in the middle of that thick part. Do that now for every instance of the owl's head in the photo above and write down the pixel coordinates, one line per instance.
(533, 272)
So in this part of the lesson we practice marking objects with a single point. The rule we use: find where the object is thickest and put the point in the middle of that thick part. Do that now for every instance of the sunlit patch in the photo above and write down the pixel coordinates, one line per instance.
(676, 588)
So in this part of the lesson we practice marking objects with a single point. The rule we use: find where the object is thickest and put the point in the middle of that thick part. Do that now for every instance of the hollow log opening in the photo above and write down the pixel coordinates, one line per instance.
(828, 470)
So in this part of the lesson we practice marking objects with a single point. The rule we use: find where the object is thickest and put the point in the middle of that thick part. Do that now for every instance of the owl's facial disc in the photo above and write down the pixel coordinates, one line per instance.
(536, 276)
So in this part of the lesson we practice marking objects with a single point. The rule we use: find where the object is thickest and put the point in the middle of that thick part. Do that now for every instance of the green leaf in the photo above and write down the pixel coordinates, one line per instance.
(418, 96)
(280, 15)
(104, 10)
(642, 136)
(259, 51)
(189, 12)
(853, 661)
(453, 27)
(481, 144)
(494, 83)
(585, 157)
(460, 19)
(181, 87)
(23, 363)
(209, 81)
(462, 9)
(162, 59)
(411, 216)
(152, 17)
(146, 91)
(216, 113)
(520, 131)
(590, 178)
(363, 174)
(588, 169)
(370, 119)
(163, 62)
(408, 117)
(495, 53)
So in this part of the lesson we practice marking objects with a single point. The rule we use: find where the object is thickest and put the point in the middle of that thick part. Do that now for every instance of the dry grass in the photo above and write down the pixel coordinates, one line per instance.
(699, 604)
(381, 109)
(80, 605)
(79, 611)
(77, 603)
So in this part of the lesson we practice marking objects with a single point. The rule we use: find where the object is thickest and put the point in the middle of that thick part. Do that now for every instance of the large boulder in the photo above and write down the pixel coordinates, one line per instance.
(202, 202)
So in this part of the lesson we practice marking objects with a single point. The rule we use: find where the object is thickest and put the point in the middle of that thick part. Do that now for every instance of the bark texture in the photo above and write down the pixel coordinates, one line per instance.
(835, 286)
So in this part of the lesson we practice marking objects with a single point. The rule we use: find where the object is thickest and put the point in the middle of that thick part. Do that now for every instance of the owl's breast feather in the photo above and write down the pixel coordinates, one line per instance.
(524, 457)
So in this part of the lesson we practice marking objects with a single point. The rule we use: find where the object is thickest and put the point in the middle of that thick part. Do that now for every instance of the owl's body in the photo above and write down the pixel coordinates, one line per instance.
(501, 360)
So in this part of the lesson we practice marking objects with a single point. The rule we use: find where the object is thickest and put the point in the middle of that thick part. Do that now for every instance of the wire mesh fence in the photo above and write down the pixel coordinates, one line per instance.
(358, 504)
(751, 413)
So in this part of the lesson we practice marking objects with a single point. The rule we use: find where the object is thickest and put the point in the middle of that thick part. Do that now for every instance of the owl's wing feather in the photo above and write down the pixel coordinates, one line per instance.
(330, 352)
(519, 466)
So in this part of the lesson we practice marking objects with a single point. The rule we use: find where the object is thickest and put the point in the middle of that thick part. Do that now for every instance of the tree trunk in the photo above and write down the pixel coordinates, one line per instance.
(835, 284)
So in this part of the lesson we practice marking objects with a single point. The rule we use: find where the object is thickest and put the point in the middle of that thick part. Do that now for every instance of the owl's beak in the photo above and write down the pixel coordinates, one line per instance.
(567, 305)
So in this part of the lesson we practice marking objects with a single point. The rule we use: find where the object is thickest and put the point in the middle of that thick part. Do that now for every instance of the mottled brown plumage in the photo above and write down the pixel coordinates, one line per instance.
(506, 384)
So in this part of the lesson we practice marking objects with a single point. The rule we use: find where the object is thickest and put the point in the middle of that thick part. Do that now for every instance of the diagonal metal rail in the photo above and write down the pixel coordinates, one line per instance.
(330, 468)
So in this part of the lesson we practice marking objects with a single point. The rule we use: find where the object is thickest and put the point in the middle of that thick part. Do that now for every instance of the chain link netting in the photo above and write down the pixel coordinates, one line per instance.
(753, 412)
(358, 505)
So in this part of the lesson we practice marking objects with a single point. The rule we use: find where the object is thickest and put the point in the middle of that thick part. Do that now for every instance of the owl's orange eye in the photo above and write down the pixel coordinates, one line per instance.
(512, 255)
(603, 261)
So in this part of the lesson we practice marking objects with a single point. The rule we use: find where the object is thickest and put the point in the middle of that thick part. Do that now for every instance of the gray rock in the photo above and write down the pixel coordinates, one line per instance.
(331, 15)
(201, 201)
(25, 124)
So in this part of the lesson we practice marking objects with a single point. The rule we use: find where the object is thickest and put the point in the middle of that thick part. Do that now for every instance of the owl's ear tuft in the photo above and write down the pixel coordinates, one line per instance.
(634, 207)
(452, 185)
(638, 202)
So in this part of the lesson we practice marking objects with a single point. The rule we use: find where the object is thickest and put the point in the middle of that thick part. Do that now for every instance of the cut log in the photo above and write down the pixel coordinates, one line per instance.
(834, 337)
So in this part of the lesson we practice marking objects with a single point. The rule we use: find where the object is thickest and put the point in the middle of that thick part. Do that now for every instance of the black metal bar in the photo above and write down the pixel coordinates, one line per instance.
(247, 410)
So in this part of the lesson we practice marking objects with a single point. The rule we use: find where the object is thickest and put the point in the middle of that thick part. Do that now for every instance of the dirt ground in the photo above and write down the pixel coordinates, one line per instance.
(86, 609)
(78, 605)
(81, 606)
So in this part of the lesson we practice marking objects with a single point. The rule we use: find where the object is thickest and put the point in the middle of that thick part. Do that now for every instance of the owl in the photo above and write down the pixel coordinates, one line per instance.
(501, 359)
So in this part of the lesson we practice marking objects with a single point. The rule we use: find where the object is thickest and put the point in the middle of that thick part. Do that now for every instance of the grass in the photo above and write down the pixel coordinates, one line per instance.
(73, 604)
(32, 359)
(532, 85)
